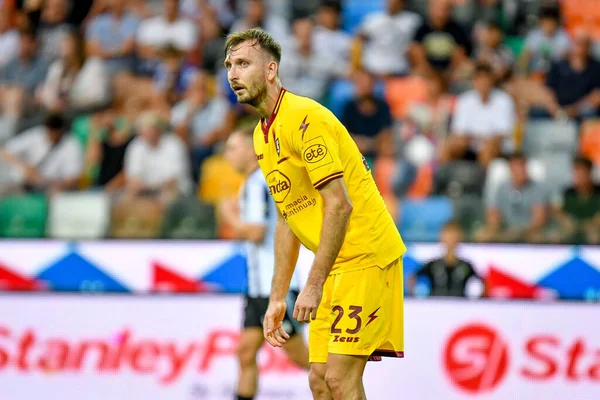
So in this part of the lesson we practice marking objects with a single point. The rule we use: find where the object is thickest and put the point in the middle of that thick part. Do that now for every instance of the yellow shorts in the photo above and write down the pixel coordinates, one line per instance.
(361, 313)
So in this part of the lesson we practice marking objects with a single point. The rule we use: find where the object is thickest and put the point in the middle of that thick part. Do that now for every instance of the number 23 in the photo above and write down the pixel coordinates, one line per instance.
(354, 314)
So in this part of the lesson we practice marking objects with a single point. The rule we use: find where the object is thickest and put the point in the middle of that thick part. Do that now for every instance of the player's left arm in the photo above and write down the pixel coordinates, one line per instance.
(317, 144)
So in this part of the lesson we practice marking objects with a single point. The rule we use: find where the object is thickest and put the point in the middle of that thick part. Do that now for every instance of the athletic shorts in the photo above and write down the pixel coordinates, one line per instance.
(256, 308)
(361, 313)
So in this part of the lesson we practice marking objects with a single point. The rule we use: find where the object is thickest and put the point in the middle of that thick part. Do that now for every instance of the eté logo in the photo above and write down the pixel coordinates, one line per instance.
(476, 358)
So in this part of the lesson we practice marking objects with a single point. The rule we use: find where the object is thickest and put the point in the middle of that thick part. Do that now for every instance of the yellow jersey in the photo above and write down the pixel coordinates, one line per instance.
(300, 149)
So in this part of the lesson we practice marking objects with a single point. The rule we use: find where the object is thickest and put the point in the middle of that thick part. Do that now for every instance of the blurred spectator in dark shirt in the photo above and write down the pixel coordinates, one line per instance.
(368, 118)
(575, 81)
(256, 16)
(157, 33)
(74, 83)
(53, 28)
(491, 51)
(518, 210)
(386, 38)
(484, 120)
(9, 40)
(45, 157)
(578, 211)
(545, 44)
(213, 43)
(440, 43)
(449, 275)
(305, 71)
(173, 76)
(111, 36)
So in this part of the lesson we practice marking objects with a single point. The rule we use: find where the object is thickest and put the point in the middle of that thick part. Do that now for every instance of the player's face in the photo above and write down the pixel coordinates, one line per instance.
(451, 237)
(247, 66)
(239, 152)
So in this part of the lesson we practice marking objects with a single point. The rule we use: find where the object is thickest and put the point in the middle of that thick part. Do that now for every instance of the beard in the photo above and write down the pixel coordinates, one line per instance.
(254, 95)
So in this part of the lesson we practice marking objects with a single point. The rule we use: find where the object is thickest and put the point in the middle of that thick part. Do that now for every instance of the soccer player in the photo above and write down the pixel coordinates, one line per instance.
(328, 201)
(255, 223)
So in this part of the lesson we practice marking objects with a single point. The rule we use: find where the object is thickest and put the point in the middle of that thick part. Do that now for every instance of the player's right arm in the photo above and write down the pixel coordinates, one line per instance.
(287, 248)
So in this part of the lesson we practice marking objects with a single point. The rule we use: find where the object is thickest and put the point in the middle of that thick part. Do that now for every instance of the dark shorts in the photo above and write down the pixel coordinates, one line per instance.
(256, 308)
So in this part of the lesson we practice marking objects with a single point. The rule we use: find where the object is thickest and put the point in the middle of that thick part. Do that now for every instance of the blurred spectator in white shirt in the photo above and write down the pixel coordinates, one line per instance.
(483, 122)
(45, 157)
(156, 162)
(303, 70)
(329, 39)
(9, 40)
(53, 28)
(387, 37)
(75, 83)
(111, 36)
(546, 44)
(255, 16)
(170, 29)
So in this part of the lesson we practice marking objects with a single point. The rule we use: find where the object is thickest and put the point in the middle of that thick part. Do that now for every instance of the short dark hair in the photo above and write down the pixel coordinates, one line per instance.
(517, 156)
(483, 68)
(453, 224)
(581, 161)
(55, 122)
(550, 12)
(335, 5)
(26, 30)
(258, 37)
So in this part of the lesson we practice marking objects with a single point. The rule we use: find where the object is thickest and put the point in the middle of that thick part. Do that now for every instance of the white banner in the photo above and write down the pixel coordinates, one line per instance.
(183, 347)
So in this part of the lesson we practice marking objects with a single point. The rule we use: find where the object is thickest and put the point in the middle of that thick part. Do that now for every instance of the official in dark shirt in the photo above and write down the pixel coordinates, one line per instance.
(575, 81)
(449, 275)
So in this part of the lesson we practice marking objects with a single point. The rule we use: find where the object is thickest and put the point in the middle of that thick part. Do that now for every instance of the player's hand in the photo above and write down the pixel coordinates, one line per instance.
(273, 324)
(308, 302)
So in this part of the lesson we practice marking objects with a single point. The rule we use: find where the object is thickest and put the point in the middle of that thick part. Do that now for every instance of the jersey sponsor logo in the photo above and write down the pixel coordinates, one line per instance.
(316, 154)
(298, 205)
(279, 185)
(346, 339)
(476, 358)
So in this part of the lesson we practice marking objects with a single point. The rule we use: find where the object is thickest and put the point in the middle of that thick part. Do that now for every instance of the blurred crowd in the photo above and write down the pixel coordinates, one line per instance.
(485, 108)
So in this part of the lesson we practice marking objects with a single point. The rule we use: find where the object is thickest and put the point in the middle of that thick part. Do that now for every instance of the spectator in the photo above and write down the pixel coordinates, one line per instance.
(199, 119)
(484, 120)
(111, 36)
(213, 41)
(547, 43)
(575, 82)
(368, 118)
(303, 70)
(449, 275)
(109, 138)
(157, 33)
(255, 16)
(156, 163)
(492, 52)
(386, 39)
(329, 39)
(72, 82)
(53, 28)
(440, 43)
(46, 157)
(9, 40)
(578, 211)
(173, 76)
(517, 211)
(218, 11)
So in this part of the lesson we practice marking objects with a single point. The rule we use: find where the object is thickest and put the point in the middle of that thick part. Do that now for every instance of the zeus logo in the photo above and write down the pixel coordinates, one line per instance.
(345, 339)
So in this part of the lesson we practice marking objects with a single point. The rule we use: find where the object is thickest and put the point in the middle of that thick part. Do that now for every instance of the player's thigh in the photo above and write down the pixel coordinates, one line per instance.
(345, 367)
(251, 340)
(319, 329)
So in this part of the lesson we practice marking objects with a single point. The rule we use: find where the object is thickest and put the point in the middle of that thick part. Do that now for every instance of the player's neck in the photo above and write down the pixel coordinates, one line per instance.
(266, 108)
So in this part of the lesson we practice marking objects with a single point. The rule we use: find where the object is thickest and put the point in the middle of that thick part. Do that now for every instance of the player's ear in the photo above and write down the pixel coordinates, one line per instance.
(272, 69)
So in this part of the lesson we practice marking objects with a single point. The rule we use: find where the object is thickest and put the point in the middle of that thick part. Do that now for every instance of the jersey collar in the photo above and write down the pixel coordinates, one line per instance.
(266, 125)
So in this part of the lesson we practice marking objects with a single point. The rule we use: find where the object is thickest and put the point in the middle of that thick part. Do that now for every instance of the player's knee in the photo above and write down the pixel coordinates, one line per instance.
(246, 357)
(316, 380)
(334, 379)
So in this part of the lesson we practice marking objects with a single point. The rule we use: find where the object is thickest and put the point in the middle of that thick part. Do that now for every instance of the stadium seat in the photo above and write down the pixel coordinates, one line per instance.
(136, 219)
(354, 11)
(469, 211)
(458, 178)
(190, 218)
(84, 215)
(421, 220)
(550, 136)
(23, 216)
(589, 142)
(401, 92)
